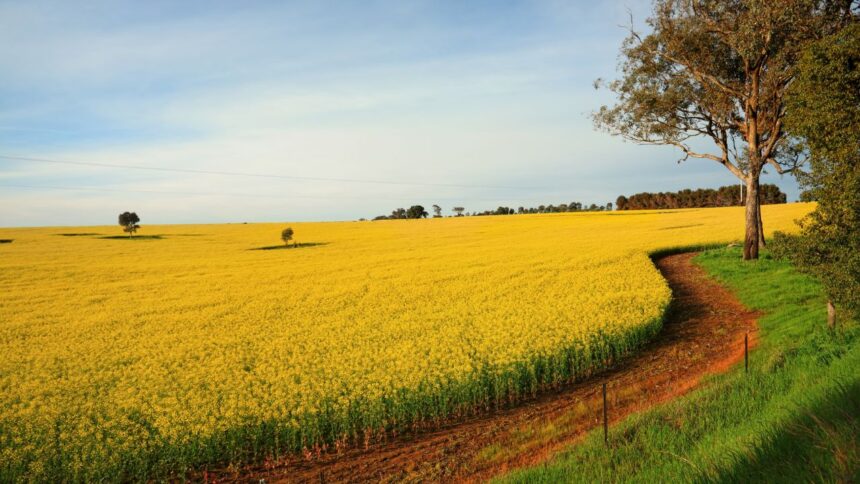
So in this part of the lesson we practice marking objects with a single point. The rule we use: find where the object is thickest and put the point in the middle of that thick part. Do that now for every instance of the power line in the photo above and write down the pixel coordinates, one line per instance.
(240, 195)
(256, 175)
(161, 192)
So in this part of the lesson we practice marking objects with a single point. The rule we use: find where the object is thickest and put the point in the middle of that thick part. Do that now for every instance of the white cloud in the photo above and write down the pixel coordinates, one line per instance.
(397, 91)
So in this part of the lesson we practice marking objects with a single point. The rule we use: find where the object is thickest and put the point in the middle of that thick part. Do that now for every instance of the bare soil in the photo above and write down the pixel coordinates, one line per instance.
(703, 334)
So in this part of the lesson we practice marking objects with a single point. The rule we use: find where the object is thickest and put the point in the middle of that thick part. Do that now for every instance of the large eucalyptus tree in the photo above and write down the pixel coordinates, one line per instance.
(718, 70)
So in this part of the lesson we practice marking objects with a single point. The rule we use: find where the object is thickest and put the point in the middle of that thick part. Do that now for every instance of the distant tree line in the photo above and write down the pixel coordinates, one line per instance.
(561, 207)
(726, 196)
(417, 211)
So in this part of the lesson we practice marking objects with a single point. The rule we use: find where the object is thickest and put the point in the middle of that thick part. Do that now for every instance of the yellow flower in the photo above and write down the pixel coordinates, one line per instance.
(123, 347)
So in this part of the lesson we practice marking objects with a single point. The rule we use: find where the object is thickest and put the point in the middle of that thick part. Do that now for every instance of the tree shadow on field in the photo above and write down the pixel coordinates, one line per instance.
(6, 241)
(136, 237)
(77, 234)
(681, 227)
(627, 213)
(291, 246)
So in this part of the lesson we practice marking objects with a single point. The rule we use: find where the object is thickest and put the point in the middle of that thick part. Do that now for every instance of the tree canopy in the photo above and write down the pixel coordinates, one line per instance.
(719, 70)
(128, 221)
(725, 196)
(824, 114)
(287, 235)
(416, 211)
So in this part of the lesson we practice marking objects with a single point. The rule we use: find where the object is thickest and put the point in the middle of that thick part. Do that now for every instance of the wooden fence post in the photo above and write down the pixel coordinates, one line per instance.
(605, 422)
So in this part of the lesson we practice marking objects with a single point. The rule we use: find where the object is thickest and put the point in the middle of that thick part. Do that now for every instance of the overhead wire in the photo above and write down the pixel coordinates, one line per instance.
(245, 195)
(258, 175)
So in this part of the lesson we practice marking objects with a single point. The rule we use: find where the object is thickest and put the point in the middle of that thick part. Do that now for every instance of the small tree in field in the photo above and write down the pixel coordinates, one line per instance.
(459, 211)
(287, 235)
(437, 211)
(128, 221)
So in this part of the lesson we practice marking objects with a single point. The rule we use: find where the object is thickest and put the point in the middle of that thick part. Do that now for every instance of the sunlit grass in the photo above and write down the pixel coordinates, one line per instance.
(793, 418)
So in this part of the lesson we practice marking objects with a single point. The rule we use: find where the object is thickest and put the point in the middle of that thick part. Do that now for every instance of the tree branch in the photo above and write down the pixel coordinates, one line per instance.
(698, 74)
(773, 136)
(707, 156)
(779, 168)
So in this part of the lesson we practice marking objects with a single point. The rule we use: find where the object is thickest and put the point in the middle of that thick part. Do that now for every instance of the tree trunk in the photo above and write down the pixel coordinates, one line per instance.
(831, 315)
(761, 241)
(751, 235)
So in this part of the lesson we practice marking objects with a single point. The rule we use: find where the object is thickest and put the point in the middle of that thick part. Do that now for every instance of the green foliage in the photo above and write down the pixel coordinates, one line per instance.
(715, 70)
(416, 211)
(794, 418)
(725, 196)
(128, 221)
(718, 70)
(824, 100)
(824, 113)
(287, 235)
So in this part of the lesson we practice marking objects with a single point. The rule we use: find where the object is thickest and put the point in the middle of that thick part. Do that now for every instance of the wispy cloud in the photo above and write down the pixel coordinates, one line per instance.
(463, 92)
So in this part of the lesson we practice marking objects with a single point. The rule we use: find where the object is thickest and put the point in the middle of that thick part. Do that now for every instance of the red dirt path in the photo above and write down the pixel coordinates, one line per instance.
(703, 334)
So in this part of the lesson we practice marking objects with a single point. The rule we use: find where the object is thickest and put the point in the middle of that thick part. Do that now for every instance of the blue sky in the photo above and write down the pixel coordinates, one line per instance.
(492, 97)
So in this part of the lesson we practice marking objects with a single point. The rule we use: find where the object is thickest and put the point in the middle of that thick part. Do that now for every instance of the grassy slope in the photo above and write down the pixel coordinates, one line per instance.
(793, 418)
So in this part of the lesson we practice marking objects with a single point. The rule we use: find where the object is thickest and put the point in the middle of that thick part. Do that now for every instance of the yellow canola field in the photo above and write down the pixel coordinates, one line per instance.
(124, 359)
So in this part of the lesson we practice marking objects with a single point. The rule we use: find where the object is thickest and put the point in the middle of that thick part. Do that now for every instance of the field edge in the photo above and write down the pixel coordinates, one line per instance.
(793, 417)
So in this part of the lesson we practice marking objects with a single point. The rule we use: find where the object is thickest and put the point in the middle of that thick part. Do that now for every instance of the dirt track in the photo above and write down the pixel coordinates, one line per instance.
(703, 334)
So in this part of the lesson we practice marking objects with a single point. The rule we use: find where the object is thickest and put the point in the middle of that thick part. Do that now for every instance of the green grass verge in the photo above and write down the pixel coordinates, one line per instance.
(793, 418)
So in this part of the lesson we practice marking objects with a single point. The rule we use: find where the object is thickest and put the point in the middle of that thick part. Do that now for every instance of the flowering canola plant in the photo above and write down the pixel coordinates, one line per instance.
(127, 359)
